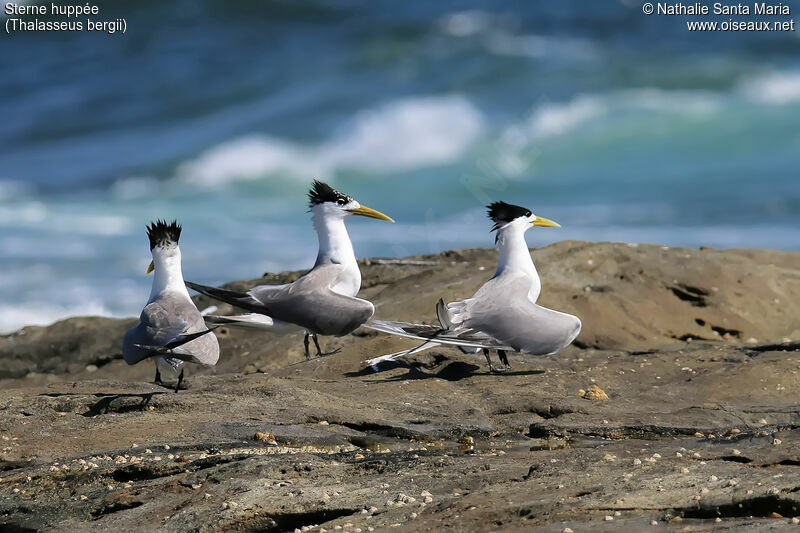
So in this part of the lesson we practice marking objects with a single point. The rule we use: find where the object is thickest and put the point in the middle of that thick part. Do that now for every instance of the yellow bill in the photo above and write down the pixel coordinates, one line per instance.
(545, 223)
(150, 268)
(365, 211)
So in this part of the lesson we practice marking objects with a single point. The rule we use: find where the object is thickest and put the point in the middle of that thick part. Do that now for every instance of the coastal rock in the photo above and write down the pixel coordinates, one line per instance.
(690, 432)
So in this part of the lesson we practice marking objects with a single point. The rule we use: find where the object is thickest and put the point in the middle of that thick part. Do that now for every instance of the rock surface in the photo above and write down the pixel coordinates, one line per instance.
(697, 351)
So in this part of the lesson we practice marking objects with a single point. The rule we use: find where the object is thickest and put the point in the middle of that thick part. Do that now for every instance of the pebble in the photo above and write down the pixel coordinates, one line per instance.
(776, 441)
(268, 438)
(567, 530)
(637, 461)
(653, 523)
(608, 518)
(795, 520)
(762, 421)
(718, 519)
(736, 452)
(595, 393)
(713, 478)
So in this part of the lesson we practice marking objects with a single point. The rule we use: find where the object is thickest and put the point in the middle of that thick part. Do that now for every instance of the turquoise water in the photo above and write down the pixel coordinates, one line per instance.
(619, 126)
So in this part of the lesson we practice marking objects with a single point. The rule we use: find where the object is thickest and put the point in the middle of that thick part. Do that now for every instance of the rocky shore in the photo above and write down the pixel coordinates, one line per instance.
(677, 408)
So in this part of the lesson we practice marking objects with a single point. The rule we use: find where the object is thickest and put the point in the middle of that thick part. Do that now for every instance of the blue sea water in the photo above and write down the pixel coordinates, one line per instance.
(620, 126)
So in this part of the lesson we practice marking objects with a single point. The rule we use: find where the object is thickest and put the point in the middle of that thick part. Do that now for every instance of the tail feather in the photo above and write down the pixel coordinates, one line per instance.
(183, 339)
(425, 332)
(169, 348)
(228, 296)
(397, 355)
(443, 314)
(250, 320)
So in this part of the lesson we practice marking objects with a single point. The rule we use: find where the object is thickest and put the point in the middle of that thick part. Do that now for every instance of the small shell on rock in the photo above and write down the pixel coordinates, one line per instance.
(269, 438)
(595, 393)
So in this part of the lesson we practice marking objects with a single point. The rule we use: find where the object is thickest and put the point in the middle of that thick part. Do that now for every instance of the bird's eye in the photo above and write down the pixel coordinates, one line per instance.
(341, 201)
(528, 213)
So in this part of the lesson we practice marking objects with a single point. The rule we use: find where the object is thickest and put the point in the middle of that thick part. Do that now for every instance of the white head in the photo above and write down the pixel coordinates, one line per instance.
(164, 245)
(510, 218)
(327, 202)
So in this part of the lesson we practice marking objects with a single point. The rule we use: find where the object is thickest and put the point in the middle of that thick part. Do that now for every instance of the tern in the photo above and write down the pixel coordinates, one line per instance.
(322, 301)
(502, 315)
(170, 326)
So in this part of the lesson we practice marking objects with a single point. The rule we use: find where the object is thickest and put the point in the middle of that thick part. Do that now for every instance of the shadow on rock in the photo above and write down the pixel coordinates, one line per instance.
(128, 402)
(455, 371)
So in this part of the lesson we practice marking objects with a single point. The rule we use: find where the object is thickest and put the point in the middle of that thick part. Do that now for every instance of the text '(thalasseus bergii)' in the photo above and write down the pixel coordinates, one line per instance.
(170, 326)
(503, 314)
(322, 301)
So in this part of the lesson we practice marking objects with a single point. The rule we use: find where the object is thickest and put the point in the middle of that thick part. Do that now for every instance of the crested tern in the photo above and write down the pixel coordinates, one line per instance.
(502, 315)
(322, 301)
(170, 327)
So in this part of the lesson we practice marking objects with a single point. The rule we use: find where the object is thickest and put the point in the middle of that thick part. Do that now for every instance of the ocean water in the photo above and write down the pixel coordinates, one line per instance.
(619, 126)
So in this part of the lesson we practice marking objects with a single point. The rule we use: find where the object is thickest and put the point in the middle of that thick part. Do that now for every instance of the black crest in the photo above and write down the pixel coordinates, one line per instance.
(502, 213)
(322, 192)
(161, 233)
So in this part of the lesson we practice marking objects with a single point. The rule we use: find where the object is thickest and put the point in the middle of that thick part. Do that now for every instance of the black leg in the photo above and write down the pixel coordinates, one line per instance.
(488, 360)
(180, 380)
(320, 353)
(157, 379)
(305, 343)
(503, 358)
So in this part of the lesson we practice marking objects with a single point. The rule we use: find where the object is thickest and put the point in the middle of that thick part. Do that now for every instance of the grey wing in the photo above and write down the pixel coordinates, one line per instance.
(504, 312)
(310, 303)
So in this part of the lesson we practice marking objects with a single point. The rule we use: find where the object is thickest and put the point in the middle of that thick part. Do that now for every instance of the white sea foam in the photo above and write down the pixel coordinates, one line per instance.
(14, 317)
(539, 46)
(248, 158)
(498, 34)
(407, 134)
(775, 88)
(401, 135)
(555, 119)
(465, 23)
(10, 190)
(133, 187)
